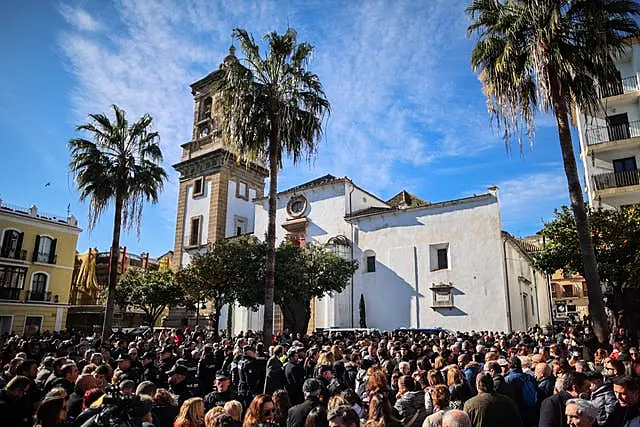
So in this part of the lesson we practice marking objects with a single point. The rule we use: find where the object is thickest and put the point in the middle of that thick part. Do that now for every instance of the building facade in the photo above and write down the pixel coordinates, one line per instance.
(422, 264)
(610, 141)
(37, 254)
(87, 300)
(570, 298)
(216, 192)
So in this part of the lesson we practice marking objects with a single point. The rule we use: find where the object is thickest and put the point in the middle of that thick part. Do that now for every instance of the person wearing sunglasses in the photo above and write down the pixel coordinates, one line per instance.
(261, 412)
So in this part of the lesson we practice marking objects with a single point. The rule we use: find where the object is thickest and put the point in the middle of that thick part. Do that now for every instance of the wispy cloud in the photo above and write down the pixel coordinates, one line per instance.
(397, 75)
(79, 18)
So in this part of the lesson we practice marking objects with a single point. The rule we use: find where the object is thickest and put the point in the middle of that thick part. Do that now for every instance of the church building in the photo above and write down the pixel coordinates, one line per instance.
(421, 264)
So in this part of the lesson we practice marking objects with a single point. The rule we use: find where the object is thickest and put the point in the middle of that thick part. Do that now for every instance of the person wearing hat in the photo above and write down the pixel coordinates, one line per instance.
(297, 416)
(222, 394)
(248, 376)
(149, 370)
(206, 371)
(178, 384)
(124, 371)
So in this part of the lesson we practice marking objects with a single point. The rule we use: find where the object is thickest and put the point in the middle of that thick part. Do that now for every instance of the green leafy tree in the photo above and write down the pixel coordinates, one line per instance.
(120, 165)
(302, 273)
(219, 273)
(269, 108)
(150, 291)
(616, 237)
(549, 55)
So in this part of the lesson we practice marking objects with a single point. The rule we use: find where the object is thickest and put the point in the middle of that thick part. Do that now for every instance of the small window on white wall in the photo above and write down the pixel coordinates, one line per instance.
(198, 187)
(242, 190)
(240, 225)
(439, 256)
(370, 261)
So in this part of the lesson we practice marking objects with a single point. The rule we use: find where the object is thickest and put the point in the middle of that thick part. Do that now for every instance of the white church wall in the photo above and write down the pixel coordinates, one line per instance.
(195, 207)
(522, 288)
(397, 294)
(357, 199)
(239, 208)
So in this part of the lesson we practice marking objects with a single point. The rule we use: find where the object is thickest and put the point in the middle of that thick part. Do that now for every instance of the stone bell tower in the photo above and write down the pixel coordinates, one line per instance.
(216, 192)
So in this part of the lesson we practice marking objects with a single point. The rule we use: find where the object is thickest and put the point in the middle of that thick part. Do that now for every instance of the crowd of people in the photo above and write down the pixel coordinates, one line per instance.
(404, 378)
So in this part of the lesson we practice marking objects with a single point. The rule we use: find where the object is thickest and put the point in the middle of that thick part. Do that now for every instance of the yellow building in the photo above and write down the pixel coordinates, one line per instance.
(37, 255)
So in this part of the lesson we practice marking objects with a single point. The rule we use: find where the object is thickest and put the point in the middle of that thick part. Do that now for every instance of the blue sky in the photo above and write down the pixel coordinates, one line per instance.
(407, 112)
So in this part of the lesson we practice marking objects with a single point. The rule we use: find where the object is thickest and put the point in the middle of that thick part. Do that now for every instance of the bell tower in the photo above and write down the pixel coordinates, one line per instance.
(216, 192)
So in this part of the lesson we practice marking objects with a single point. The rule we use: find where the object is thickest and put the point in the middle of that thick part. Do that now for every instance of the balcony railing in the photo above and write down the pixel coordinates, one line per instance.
(46, 258)
(625, 85)
(20, 255)
(616, 179)
(10, 293)
(38, 296)
(598, 135)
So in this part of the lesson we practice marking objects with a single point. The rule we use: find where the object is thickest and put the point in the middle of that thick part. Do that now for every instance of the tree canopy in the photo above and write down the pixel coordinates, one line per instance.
(149, 291)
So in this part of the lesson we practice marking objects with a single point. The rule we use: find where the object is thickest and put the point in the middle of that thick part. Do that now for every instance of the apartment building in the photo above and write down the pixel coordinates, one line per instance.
(37, 254)
(610, 141)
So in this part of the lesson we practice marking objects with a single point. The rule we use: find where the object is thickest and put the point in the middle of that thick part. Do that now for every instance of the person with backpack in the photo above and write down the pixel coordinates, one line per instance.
(523, 391)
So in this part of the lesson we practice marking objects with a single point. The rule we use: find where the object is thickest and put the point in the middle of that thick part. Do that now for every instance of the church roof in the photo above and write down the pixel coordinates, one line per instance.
(326, 179)
(404, 199)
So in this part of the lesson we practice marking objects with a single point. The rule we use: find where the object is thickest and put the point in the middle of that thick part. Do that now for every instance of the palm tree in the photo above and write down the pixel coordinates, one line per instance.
(121, 165)
(266, 108)
(550, 54)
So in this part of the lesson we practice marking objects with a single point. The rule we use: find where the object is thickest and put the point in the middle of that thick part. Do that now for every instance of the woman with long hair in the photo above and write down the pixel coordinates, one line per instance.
(52, 412)
(261, 411)
(458, 387)
(434, 378)
(191, 413)
(381, 413)
(281, 404)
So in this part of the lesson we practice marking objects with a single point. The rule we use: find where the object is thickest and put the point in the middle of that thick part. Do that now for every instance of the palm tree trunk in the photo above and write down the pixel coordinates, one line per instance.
(596, 304)
(113, 270)
(267, 325)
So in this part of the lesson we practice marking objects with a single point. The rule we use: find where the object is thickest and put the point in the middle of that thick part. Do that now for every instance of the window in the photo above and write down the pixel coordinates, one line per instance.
(38, 287)
(44, 250)
(205, 109)
(198, 187)
(340, 246)
(242, 190)
(571, 308)
(568, 290)
(6, 324)
(12, 244)
(194, 236)
(203, 131)
(32, 324)
(371, 263)
(439, 256)
(11, 281)
(240, 225)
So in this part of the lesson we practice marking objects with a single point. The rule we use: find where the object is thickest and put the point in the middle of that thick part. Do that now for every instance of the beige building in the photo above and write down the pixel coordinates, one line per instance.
(37, 255)
(569, 294)
(216, 192)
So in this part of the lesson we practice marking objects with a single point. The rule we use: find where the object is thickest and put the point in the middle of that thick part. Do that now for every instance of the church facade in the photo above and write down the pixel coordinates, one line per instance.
(421, 265)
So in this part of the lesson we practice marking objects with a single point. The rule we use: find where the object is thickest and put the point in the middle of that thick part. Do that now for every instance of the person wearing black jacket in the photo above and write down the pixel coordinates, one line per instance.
(552, 410)
(207, 370)
(298, 414)
(15, 408)
(248, 377)
(149, 370)
(275, 378)
(222, 394)
(294, 375)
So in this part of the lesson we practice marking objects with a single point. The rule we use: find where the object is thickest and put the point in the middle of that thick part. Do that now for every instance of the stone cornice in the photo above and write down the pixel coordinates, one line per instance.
(211, 162)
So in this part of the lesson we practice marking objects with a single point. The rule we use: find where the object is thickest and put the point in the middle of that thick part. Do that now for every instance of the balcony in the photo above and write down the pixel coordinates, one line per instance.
(45, 258)
(623, 86)
(599, 135)
(20, 254)
(10, 293)
(37, 296)
(609, 180)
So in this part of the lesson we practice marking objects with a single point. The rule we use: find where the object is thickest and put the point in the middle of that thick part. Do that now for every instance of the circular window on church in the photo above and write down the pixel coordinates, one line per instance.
(297, 206)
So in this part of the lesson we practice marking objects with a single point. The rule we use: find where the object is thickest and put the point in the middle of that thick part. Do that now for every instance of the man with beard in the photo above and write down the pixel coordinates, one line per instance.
(294, 375)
